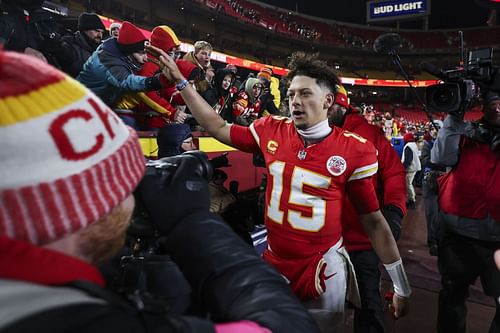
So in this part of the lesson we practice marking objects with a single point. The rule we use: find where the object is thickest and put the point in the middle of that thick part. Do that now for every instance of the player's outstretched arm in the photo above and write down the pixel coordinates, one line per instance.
(377, 229)
(200, 109)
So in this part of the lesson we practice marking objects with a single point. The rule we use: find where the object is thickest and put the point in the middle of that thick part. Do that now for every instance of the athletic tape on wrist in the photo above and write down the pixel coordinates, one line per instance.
(398, 276)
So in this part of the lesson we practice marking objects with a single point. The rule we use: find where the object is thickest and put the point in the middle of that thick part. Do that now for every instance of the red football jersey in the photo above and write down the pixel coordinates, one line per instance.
(306, 185)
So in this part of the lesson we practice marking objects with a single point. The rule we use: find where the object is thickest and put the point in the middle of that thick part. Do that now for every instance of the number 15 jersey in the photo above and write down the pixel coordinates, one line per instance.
(307, 185)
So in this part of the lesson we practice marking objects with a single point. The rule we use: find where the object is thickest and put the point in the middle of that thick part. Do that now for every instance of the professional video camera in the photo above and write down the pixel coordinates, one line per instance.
(462, 85)
(140, 271)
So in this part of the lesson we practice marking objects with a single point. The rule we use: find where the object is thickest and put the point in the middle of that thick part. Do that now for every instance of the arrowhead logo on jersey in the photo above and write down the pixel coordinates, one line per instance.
(336, 165)
(272, 146)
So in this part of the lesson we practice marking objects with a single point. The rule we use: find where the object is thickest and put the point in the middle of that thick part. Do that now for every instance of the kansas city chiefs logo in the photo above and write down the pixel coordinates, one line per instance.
(336, 165)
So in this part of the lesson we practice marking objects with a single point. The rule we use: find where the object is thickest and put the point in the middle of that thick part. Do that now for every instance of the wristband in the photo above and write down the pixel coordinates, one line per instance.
(399, 279)
(181, 85)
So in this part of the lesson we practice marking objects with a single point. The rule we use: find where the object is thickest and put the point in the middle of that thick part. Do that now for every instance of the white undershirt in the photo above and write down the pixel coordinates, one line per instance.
(316, 132)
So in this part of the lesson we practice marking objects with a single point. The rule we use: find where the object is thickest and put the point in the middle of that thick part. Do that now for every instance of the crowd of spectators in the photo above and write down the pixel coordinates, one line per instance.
(337, 34)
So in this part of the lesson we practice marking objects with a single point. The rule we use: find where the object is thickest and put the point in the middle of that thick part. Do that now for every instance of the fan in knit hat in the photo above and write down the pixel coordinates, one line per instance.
(66, 159)
(266, 73)
(114, 29)
(164, 37)
(341, 96)
(130, 39)
(170, 139)
(90, 21)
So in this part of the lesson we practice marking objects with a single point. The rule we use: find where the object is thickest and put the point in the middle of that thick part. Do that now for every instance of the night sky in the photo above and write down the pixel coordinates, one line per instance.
(445, 14)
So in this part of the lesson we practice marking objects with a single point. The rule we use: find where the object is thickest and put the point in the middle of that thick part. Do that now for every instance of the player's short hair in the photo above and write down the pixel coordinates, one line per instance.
(310, 65)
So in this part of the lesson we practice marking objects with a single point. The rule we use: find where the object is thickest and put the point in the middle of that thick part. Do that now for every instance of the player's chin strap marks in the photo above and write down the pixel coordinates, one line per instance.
(399, 280)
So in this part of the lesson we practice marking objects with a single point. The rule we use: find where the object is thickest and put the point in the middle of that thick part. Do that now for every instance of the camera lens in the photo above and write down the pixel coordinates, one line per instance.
(443, 97)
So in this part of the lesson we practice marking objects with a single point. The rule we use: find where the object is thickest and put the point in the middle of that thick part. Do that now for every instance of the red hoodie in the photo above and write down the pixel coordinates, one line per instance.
(389, 182)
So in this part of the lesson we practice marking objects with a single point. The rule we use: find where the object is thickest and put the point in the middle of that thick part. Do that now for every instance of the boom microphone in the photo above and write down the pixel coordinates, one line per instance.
(387, 43)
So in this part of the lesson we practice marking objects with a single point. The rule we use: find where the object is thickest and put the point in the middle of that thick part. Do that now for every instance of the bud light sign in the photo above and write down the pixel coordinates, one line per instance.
(396, 10)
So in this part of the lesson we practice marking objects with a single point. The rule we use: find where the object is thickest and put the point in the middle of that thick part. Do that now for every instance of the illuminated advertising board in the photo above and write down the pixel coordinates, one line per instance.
(393, 10)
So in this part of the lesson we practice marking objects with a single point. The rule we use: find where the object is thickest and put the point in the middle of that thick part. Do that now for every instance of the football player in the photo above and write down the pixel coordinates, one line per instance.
(312, 167)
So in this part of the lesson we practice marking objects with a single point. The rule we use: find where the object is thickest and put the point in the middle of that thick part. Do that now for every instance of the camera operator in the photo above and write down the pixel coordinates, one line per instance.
(25, 27)
(469, 197)
(66, 202)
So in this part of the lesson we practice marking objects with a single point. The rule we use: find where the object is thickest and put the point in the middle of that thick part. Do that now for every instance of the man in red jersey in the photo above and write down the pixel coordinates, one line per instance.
(311, 166)
(390, 186)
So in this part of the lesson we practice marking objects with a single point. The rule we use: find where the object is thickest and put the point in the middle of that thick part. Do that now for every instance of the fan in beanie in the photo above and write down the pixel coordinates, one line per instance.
(66, 159)
(130, 39)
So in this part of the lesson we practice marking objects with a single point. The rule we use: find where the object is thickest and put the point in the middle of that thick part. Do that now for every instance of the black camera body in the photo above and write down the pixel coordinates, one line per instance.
(141, 270)
(161, 172)
(463, 85)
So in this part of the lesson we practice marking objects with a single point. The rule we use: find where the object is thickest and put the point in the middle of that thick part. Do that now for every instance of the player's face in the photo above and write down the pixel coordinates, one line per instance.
(308, 101)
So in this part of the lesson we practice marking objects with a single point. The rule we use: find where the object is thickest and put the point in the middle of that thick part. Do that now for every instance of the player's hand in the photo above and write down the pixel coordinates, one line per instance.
(166, 63)
(401, 306)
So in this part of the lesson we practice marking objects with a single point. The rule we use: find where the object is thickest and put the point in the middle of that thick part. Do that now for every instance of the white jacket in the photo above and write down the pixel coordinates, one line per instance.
(415, 163)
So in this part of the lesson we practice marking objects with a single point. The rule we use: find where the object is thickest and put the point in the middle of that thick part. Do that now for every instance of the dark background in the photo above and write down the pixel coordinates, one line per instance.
(445, 14)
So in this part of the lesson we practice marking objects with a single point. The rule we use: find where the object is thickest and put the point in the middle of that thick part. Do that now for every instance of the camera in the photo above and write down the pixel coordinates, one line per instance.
(142, 268)
(461, 85)
(159, 173)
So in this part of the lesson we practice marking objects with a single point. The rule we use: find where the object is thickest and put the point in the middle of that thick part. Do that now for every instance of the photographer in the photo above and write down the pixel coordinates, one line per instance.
(25, 27)
(68, 209)
(469, 197)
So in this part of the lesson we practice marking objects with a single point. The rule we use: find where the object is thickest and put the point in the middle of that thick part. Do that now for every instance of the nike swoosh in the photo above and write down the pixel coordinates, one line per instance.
(329, 276)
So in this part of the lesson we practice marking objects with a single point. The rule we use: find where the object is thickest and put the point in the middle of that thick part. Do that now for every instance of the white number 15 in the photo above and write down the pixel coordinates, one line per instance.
(300, 177)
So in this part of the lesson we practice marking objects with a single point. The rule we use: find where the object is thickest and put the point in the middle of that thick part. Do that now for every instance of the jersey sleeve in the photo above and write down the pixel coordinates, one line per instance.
(243, 139)
(362, 195)
(248, 139)
(364, 157)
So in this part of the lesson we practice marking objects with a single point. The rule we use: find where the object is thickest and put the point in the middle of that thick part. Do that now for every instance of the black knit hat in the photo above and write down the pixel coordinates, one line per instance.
(490, 96)
(90, 21)
(170, 138)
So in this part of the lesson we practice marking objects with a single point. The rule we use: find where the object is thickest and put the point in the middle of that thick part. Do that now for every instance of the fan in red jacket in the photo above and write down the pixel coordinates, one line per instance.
(164, 38)
(389, 183)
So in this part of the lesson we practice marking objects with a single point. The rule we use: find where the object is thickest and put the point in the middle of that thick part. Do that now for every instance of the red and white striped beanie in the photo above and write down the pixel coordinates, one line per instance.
(66, 159)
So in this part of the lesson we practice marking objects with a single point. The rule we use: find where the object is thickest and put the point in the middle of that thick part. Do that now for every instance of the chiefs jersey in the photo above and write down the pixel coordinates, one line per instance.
(306, 185)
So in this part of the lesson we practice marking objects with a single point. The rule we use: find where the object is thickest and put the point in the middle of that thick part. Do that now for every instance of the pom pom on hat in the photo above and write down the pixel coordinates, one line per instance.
(164, 38)
(78, 159)
(130, 39)
(90, 21)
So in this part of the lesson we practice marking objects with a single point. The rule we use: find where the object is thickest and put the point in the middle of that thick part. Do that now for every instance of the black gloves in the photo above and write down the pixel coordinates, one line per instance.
(394, 216)
(175, 187)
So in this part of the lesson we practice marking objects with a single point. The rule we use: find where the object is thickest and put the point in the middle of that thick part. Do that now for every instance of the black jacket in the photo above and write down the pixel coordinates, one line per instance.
(75, 50)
